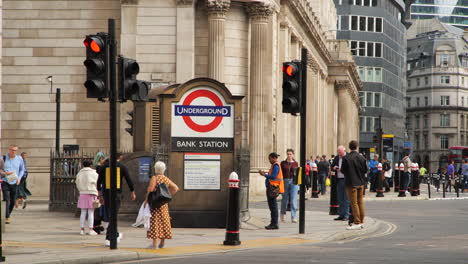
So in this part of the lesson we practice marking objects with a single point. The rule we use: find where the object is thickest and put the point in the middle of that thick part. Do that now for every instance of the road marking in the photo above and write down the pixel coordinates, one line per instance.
(203, 248)
(54, 245)
(390, 229)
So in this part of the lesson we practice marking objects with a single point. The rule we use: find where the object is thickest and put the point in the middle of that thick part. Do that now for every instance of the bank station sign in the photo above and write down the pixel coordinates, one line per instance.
(202, 121)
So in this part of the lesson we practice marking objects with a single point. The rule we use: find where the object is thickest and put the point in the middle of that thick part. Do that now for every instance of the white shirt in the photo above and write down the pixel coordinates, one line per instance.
(340, 175)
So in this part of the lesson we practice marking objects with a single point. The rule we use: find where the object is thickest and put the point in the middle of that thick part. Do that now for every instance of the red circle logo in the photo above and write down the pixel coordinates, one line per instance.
(213, 124)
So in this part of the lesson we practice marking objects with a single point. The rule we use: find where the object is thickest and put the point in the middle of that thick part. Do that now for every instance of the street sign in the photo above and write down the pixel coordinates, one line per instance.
(387, 144)
(372, 150)
(388, 136)
(407, 145)
(202, 121)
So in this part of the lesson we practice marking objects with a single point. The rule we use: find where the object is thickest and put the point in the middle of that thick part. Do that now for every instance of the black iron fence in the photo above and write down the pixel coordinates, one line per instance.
(63, 170)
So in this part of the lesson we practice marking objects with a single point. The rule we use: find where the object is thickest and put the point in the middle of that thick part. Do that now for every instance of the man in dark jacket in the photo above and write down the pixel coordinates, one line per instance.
(104, 193)
(354, 168)
(343, 210)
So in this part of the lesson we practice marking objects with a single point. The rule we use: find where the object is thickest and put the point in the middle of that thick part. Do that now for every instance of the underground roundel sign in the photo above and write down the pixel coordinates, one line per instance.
(202, 121)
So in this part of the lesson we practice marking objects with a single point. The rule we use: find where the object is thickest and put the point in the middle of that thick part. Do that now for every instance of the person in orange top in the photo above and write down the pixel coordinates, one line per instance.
(272, 179)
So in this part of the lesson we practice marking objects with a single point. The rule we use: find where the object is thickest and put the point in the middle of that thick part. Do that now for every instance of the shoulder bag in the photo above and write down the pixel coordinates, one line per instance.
(160, 196)
(273, 191)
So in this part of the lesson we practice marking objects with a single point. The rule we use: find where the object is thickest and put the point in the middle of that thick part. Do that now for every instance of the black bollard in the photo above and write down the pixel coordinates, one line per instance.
(414, 179)
(314, 181)
(333, 194)
(379, 182)
(443, 186)
(403, 179)
(233, 216)
(396, 178)
(429, 187)
(457, 182)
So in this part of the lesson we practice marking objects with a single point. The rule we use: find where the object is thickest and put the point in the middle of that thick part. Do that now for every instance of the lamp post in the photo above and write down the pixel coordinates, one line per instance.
(57, 113)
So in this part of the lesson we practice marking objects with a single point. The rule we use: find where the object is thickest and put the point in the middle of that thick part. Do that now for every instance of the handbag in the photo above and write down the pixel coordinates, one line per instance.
(160, 196)
(273, 191)
(96, 204)
(11, 177)
(327, 182)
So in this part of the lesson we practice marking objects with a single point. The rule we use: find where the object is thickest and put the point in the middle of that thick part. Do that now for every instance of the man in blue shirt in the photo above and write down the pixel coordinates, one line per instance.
(14, 165)
(450, 174)
(373, 172)
(465, 175)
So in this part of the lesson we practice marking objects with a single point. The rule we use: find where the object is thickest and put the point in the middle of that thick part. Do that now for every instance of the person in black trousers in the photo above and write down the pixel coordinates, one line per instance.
(104, 194)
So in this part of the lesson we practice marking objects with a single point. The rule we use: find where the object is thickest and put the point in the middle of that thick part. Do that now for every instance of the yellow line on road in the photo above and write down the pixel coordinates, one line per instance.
(179, 250)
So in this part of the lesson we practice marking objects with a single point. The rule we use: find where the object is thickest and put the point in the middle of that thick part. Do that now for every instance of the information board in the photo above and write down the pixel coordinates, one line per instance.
(202, 171)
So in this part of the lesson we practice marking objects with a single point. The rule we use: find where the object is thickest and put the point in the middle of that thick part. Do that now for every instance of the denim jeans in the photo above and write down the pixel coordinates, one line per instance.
(290, 194)
(343, 201)
(9, 194)
(322, 178)
(273, 205)
(465, 182)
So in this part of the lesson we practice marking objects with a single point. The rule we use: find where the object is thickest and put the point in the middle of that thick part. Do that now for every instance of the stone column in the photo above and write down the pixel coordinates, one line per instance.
(185, 35)
(217, 10)
(260, 14)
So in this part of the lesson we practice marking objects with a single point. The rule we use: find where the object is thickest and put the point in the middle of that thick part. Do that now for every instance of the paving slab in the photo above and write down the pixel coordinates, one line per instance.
(39, 236)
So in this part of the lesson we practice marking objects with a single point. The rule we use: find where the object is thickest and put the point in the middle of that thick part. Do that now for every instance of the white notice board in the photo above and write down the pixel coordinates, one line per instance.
(202, 171)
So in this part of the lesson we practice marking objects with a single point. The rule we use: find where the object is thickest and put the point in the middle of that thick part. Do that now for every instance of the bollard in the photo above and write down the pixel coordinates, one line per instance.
(403, 179)
(414, 179)
(314, 181)
(333, 194)
(396, 178)
(443, 185)
(457, 182)
(233, 216)
(379, 182)
(429, 186)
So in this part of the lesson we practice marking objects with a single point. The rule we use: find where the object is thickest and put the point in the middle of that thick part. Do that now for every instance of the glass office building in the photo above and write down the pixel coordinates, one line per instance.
(453, 12)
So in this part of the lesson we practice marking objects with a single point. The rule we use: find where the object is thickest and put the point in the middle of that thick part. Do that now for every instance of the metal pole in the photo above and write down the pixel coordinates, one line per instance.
(113, 135)
(58, 97)
(303, 140)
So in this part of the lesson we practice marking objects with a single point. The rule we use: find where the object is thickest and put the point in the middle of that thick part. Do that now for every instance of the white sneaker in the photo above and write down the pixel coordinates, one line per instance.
(82, 232)
(107, 243)
(407, 193)
(282, 218)
(294, 220)
(355, 227)
(92, 233)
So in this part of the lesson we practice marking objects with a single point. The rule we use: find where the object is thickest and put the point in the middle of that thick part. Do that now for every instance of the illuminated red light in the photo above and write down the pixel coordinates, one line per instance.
(92, 44)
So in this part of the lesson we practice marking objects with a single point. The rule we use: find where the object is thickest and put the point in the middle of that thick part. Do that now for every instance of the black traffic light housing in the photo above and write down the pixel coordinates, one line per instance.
(292, 87)
(96, 64)
(130, 122)
(129, 87)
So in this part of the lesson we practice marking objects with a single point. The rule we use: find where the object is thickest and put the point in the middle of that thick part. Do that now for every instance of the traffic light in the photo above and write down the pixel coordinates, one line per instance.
(129, 87)
(292, 87)
(96, 66)
(130, 122)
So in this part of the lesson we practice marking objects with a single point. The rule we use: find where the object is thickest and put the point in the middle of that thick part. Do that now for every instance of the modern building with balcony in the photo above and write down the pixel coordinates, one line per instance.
(437, 96)
(376, 34)
(452, 12)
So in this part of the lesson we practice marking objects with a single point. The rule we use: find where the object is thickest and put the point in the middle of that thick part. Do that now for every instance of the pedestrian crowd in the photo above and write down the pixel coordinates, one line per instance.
(350, 170)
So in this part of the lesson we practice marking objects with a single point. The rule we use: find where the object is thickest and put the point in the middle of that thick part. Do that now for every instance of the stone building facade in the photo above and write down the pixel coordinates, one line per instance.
(437, 98)
(241, 43)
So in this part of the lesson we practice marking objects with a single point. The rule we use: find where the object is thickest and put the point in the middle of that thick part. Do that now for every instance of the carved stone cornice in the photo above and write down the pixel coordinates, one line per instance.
(260, 11)
(311, 24)
(346, 85)
(217, 8)
(312, 64)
